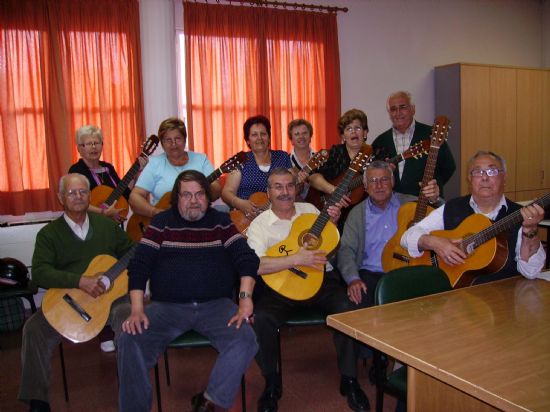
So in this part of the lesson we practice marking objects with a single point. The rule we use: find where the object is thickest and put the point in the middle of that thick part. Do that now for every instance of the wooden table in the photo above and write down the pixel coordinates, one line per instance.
(480, 348)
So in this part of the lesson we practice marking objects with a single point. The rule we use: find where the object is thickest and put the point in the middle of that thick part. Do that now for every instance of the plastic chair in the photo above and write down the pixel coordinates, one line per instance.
(401, 284)
(190, 339)
(303, 317)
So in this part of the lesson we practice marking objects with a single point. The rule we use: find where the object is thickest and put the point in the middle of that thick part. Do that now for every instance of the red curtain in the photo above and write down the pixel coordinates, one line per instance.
(243, 61)
(64, 64)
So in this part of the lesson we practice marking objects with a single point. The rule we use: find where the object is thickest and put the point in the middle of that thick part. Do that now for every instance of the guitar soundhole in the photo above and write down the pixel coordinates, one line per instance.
(312, 241)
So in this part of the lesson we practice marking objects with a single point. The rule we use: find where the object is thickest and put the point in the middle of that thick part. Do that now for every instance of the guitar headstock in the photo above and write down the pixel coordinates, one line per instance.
(440, 130)
(233, 163)
(417, 150)
(150, 145)
(318, 159)
(361, 159)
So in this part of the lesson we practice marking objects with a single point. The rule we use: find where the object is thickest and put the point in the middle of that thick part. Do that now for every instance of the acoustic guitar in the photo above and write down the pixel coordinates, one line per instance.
(138, 223)
(78, 316)
(394, 256)
(487, 249)
(104, 196)
(416, 151)
(241, 221)
(317, 232)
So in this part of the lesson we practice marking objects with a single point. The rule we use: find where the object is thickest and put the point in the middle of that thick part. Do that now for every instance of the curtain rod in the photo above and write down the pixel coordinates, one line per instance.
(284, 5)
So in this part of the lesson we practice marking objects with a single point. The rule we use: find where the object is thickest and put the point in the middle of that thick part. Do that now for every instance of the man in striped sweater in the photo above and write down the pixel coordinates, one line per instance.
(192, 255)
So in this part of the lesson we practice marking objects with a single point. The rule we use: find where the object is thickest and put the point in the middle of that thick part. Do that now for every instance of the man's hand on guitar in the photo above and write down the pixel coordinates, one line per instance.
(431, 191)
(532, 215)
(446, 249)
(92, 285)
(312, 258)
(355, 291)
(134, 323)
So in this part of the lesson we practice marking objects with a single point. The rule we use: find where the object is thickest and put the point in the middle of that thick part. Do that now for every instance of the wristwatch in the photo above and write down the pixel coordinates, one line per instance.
(529, 235)
(244, 295)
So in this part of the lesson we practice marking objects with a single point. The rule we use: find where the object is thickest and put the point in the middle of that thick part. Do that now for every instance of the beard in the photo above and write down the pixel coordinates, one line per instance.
(193, 214)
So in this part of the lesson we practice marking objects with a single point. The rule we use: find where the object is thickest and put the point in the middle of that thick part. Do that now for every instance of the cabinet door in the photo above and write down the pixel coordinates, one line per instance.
(488, 117)
(532, 145)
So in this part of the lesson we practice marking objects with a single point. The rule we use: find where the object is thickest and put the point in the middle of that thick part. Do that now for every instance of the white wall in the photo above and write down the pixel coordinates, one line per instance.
(385, 45)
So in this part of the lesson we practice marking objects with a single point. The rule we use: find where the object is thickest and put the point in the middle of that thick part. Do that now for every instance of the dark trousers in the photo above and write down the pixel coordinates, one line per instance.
(272, 310)
(371, 280)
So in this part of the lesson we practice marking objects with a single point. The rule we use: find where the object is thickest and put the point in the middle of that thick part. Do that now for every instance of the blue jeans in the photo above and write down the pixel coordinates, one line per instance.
(139, 353)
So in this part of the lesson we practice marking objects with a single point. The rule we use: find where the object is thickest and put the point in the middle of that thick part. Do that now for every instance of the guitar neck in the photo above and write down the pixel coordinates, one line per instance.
(123, 184)
(215, 175)
(114, 271)
(429, 170)
(334, 198)
(513, 220)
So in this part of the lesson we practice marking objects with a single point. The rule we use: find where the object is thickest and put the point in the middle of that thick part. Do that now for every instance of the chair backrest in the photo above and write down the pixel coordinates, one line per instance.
(410, 282)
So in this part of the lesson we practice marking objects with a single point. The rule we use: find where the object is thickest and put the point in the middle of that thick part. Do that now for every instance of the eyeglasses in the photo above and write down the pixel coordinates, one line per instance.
(197, 195)
(171, 142)
(72, 193)
(351, 129)
(91, 144)
(401, 107)
(279, 187)
(489, 172)
(384, 180)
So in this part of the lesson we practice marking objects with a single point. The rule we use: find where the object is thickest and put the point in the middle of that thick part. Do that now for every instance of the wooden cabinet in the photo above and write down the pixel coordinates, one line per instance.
(502, 109)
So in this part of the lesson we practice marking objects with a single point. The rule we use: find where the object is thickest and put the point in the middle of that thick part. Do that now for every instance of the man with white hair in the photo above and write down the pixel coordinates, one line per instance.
(63, 250)
(404, 133)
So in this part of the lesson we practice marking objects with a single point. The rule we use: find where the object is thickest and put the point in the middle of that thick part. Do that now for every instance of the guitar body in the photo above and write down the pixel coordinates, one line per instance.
(138, 223)
(238, 218)
(102, 192)
(394, 256)
(63, 318)
(288, 283)
(487, 258)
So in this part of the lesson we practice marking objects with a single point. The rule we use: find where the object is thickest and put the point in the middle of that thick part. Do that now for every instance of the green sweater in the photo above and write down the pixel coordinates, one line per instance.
(60, 257)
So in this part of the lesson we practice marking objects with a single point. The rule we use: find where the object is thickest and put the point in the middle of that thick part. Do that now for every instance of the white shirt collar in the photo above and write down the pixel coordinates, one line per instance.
(80, 231)
(493, 213)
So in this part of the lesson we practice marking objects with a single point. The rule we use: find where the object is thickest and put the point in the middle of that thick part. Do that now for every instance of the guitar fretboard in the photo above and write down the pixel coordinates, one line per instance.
(123, 184)
(114, 271)
(509, 222)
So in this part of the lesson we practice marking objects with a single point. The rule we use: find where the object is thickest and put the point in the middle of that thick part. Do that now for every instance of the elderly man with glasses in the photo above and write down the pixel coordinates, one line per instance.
(486, 177)
(404, 133)
(368, 228)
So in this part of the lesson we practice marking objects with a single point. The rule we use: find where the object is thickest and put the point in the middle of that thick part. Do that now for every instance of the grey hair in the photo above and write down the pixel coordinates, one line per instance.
(66, 177)
(487, 153)
(400, 93)
(378, 164)
(279, 171)
(88, 130)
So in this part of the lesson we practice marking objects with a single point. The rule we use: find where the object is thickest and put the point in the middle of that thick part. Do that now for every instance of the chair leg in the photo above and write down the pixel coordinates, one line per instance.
(157, 386)
(279, 361)
(166, 367)
(63, 374)
(243, 393)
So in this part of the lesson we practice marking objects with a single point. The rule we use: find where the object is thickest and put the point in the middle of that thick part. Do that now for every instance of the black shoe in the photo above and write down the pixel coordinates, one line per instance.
(357, 400)
(201, 404)
(269, 398)
(39, 406)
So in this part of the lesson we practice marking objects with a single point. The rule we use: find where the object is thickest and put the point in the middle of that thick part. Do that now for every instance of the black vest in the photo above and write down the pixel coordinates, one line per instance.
(458, 209)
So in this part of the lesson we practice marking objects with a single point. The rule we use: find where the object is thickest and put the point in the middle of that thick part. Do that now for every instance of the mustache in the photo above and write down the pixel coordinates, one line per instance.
(284, 197)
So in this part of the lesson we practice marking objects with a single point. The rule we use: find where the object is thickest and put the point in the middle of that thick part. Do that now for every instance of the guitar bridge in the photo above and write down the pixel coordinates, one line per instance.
(401, 257)
(299, 272)
(77, 308)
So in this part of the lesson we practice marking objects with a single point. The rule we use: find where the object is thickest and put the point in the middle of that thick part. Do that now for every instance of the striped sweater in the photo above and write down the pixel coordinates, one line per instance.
(188, 261)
